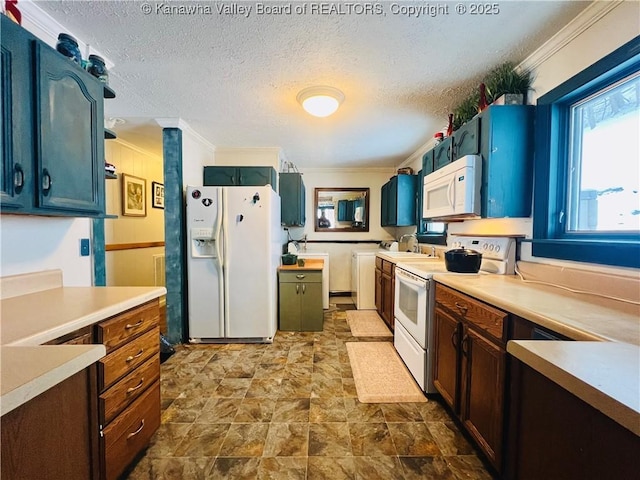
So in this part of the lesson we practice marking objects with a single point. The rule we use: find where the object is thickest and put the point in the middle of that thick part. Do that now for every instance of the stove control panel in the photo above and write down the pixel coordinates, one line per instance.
(497, 248)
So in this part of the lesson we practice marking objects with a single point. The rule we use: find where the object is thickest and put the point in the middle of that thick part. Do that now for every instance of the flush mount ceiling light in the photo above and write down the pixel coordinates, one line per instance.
(320, 101)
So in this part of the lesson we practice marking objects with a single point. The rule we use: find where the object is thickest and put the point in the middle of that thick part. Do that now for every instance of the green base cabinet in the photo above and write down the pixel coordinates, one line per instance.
(399, 200)
(239, 176)
(52, 130)
(292, 195)
(300, 300)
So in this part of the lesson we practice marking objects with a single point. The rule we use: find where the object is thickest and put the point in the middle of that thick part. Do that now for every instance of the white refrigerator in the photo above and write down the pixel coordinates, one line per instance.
(234, 246)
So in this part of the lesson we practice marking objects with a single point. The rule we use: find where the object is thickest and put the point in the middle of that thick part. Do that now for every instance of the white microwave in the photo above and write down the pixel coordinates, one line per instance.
(453, 192)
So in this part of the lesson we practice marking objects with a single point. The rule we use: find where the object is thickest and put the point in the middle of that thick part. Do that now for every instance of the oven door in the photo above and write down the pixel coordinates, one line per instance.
(411, 304)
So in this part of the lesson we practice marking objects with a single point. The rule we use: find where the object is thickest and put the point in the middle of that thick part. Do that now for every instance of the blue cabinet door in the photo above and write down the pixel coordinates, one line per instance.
(399, 200)
(466, 140)
(220, 176)
(427, 162)
(70, 137)
(507, 161)
(16, 174)
(442, 153)
(255, 176)
(292, 195)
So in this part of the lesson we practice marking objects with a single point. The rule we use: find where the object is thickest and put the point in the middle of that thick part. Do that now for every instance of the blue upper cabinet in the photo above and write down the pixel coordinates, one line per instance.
(466, 140)
(292, 194)
(16, 174)
(222, 176)
(399, 200)
(53, 130)
(442, 153)
(506, 145)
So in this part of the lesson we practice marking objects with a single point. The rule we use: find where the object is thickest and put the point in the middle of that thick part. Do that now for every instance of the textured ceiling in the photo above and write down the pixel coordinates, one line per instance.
(234, 78)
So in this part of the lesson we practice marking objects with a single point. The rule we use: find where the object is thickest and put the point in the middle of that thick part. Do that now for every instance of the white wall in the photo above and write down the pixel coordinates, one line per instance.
(257, 157)
(32, 244)
(132, 266)
(196, 152)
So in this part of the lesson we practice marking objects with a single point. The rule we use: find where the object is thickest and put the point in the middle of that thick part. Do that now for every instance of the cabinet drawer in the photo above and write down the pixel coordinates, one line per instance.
(82, 336)
(116, 399)
(131, 431)
(125, 359)
(388, 267)
(119, 330)
(306, 276)
(481, 315)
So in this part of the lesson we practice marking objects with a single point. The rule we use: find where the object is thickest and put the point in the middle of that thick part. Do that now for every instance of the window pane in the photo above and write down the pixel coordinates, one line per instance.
(436, 227)
(604, 160)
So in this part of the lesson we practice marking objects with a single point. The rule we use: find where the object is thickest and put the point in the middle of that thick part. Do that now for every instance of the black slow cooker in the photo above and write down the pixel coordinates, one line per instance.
(462, 260)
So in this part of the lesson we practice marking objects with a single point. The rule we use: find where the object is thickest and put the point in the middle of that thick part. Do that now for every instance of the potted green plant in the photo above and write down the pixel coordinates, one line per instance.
(466, 110)
(507, 85)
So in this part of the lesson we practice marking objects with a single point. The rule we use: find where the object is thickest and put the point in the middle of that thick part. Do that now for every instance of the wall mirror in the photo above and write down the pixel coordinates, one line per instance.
(341, 209)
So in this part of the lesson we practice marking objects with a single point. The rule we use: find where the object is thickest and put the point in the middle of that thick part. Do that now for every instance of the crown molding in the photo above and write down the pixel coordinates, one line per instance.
(46, 28)
(176, 122)
(585, 19)
(359, 170)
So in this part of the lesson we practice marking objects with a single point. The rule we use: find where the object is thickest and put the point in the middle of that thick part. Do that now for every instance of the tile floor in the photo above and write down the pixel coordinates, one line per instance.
(289, 410)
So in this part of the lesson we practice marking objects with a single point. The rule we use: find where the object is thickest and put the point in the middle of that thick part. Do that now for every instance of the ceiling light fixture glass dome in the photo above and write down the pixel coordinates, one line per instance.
(320, 101)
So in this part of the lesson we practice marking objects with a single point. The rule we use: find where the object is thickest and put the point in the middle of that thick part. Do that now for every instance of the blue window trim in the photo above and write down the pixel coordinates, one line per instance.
(552, 124)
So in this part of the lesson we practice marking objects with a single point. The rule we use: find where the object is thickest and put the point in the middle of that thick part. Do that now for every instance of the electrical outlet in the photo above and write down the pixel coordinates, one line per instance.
(84, 247)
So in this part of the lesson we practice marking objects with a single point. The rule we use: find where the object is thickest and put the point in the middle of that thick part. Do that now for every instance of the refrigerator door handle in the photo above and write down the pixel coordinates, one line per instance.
(224, 264)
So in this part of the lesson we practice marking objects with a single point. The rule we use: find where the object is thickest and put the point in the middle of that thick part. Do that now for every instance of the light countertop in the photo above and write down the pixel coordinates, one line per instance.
(576, 316)
(602, 367)
(606, 375)
(28, 368)
(309, 264)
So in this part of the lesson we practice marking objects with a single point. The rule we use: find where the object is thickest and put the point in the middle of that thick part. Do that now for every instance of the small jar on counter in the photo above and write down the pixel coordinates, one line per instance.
(68, 46)
(98, 69)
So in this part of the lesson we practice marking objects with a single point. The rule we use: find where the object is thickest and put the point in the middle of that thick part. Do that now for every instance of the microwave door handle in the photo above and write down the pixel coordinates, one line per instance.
(450, 191)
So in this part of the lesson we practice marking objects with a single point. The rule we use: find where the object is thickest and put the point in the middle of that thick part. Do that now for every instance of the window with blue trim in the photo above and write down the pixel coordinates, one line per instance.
(587, 164)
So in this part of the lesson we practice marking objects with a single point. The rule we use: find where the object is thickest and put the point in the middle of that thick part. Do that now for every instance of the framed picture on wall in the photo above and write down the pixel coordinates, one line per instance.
(134, 196)
(157, 195)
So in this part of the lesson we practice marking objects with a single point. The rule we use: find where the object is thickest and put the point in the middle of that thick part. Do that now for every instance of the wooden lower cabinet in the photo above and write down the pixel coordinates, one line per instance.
(556, 435)
(470, 366)
(128, 386)
(385, 290)
(53, 436)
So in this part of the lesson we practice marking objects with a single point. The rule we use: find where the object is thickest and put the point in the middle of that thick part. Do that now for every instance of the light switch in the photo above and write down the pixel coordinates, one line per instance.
(84, 247)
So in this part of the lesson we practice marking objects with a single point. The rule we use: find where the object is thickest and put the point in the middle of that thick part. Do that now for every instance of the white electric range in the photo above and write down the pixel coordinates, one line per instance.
(415, 300)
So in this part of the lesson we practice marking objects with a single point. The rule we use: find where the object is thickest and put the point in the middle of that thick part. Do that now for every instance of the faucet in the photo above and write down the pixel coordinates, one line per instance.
(433, 251)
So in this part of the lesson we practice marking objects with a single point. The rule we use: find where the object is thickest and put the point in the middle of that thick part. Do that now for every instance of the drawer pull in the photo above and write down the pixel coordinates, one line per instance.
(137, 387)
(300, 276)
(130, 358)
(129, 326)
(133, 434)
(462, 308)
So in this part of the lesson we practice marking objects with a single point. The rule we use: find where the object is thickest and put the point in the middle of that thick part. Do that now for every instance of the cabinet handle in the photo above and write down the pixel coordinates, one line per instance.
(130, 358)
(137, 387)
(297, 288)
(133, 434)
(300, 276)
(463, 308)
(465, 343)
(454, 336)
(304, 287)
(129, 326)
(18, 177)
(46, 181)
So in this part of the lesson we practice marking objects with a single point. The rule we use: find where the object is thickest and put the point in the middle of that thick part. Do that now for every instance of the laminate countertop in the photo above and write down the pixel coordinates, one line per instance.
(28, 368)
(309, 264)
(601, 368)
